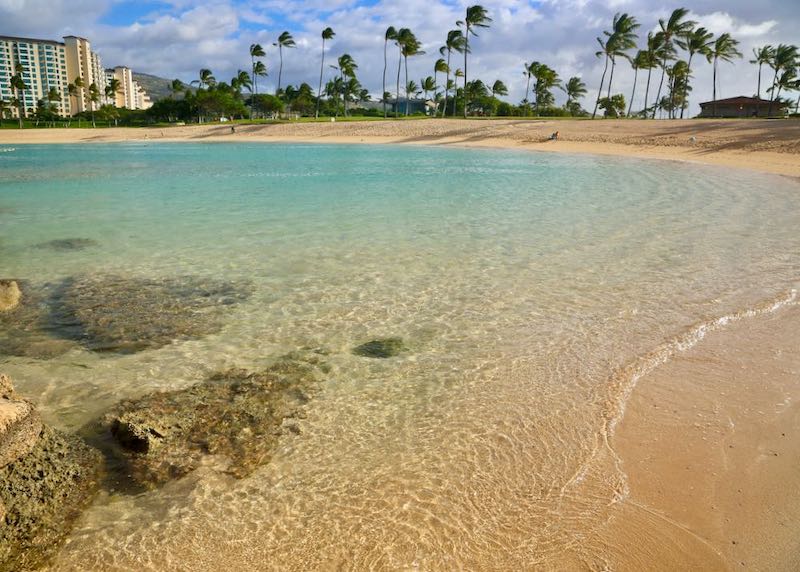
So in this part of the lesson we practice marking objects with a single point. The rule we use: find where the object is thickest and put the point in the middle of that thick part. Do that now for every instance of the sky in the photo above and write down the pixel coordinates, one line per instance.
(175, 38)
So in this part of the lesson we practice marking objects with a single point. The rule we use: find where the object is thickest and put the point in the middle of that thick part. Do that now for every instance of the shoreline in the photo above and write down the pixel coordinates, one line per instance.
(766, 146)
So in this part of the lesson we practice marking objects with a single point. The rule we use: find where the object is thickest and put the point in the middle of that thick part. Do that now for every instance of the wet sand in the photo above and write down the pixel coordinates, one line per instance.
(710, 442)
(763, 145)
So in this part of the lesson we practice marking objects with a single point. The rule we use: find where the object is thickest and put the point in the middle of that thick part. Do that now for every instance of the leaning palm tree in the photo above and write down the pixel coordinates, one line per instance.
(762, 56)
(456, 74)
(575, 89)
(529, 68)
(113, 87)
(476, 17)
(427, 85)
(73, 90)
(347, 69)
(285, 40)
(439, 67)
(455, 43)
(206, 79)
(676, 26)
(256, 51)
(327, 34)
(783, 58)
(409, 47)
(724, 49)
(499, 88)
(617, 42)
(94, 99)
(698, 41)
(242, 80)
(639, 61)
(787, 81)
(390, 34)
(176, 87)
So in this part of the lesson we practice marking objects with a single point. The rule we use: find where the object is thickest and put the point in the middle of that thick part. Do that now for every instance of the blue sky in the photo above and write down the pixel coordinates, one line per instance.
(175, 38)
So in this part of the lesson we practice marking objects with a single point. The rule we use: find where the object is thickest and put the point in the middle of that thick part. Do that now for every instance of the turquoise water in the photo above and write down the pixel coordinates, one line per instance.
(523, 283)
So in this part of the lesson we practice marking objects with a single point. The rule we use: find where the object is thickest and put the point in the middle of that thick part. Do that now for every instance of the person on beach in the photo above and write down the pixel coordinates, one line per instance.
(553, 137)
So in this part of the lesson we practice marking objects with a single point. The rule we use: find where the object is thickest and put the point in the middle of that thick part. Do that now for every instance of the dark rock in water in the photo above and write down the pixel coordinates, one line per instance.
(10, 295)
(237, 415)
(67, 244)
(126, 315)
(43, 488)
(381, 348)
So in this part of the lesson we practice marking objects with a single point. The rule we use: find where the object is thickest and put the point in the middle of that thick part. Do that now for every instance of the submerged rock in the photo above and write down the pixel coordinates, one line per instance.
(381, 348)
(20, 424)
(10, 295)
(126, 315)
(235, 415)
(67, 244)
(43, 489)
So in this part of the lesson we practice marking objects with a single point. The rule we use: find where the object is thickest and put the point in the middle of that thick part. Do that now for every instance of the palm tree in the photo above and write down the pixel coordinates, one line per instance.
(256, 51)
(457, 74)
(697, 41)
(19, 86)
(327, 34)
(762, 56)
(676, 26)
(499, 88)
(176, 87)
(391, 34)
(530, 68)
(206, 79)
(620, 39)
(575, 89)
(285, 40)
(427, 84)
(455, 43)
(439, 67)
(112, 89)
(546, 79)
(409, 46)
(724, 49)
(783, 58)
(639, 61)
(53, 96)
(242, 80)
(476, 17)
(94, 99)
(655, 46)
(787, 81)
(347, 69)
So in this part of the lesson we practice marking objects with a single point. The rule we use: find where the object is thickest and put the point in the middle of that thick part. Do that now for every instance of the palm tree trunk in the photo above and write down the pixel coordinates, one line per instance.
(758, 92)
(397, 98)
(385, 44)
(633, 92)
(405, 60)
(647, 89)
(280, 69)
(319, 90)
(446, 84)
(772, 99)
(611, 77)
(660, 85)
(528, 92)
(466, 51)
(600, 91)
(686, 95)
(714, 87)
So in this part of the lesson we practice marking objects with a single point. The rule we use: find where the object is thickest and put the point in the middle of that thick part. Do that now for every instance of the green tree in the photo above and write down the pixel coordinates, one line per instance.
(575, 90)
(499, 88)
(113, 87)
(176, 87)
(241, 81)
(675, 27)
(327, 34)
(390, 34)
(409, 46)
(19, 86)
(476, 17)
(257, 51)
(455, 43)
(206, 79)
(724, 49)
(94, 99)
(613, 106)
(762, 55)
(698, 41)
(427, 85)
(285, 40)
(655, 47)
(618, 41)
(783, 59)
(639, 61)
(439, 67)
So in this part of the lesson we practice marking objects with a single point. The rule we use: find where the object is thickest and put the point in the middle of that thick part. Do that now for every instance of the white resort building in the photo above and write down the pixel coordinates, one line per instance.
(54, 65)
(130, 94)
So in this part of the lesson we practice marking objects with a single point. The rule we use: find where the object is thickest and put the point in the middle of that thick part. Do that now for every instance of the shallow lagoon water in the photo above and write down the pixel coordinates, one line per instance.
(528, 287)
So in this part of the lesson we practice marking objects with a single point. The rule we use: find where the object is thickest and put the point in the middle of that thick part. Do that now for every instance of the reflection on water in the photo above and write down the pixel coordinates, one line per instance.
(519, 284)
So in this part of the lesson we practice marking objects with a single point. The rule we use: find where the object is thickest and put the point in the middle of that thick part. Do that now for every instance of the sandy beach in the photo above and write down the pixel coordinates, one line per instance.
(710, 439)
(761, 145)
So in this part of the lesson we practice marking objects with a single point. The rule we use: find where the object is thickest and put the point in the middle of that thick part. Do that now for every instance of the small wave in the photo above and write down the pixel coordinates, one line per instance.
(7, 149)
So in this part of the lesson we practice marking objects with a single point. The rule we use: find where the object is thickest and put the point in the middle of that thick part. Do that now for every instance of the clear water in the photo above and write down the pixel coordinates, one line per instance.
(525, 284)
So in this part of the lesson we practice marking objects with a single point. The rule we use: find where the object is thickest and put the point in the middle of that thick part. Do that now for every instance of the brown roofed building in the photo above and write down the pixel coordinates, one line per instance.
(742, 107)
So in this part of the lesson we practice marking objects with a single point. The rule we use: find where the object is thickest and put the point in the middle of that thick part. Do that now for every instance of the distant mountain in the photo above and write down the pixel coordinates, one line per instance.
(156, 87)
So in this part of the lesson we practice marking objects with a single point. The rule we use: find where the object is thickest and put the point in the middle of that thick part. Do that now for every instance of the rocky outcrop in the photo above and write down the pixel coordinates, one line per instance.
(46, 479)
(235, 416)
(381, 348)
(107, 313)
(67, 244)
(10, 295)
